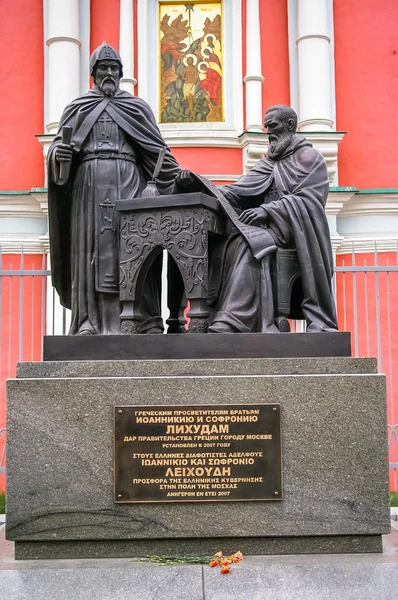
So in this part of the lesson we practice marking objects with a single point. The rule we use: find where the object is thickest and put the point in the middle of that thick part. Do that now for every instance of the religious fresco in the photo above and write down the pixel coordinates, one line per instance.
(191, 62)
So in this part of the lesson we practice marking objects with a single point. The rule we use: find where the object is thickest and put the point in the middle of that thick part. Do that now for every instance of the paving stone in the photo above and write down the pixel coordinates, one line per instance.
(303, 581)
(129, 583)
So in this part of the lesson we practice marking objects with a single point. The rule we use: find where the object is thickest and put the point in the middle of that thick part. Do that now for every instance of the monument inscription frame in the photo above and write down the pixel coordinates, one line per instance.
(198, 453)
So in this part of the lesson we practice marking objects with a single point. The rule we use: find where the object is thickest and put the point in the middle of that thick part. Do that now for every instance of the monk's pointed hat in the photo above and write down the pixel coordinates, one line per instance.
(104, 52)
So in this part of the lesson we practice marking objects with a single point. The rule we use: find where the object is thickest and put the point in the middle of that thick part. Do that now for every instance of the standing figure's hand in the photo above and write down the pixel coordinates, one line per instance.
(184, 179)
(253, 216)
(186, 182)
(63, 153)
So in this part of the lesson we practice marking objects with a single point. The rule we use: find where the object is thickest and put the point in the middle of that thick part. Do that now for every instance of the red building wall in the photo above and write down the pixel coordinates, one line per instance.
(21, 100)
(366, 67)
(104, 23)
(209, 161)
(274, 53)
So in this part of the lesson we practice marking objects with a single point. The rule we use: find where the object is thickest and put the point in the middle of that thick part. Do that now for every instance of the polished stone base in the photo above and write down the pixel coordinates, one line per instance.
(60, 458)
(195, 346)
(342, 544)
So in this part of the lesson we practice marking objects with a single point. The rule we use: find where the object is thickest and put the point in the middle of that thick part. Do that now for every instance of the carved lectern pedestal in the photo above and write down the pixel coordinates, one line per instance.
(182, 224)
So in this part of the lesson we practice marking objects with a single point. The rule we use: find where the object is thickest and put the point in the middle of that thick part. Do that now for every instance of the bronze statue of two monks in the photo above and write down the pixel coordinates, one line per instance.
(107, 149)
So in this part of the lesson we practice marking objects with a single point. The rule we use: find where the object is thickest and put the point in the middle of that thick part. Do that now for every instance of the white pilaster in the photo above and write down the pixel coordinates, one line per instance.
(63, 58)
(126, 45)
(253, 79)
(84, 36)
(314, 69)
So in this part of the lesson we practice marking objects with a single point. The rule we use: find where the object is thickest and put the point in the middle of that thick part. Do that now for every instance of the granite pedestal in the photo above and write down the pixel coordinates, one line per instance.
(60, 458)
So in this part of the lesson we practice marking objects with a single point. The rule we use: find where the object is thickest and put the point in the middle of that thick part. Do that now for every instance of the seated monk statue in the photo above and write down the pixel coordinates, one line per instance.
(285, 193)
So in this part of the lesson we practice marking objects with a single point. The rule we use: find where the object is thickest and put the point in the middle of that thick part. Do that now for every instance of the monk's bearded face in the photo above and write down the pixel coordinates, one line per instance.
(279, 135)
(107, 76)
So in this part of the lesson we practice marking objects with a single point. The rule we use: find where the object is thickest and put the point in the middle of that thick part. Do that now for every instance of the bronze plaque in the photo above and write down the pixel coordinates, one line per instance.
(198, 453)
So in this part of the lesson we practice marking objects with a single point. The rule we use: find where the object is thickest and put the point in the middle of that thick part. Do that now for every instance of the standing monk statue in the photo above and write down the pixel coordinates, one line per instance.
(106, 149)
(284, 196)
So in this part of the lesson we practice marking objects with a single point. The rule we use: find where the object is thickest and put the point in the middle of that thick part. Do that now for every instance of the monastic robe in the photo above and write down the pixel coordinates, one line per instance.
(292, 191)
(117, 143)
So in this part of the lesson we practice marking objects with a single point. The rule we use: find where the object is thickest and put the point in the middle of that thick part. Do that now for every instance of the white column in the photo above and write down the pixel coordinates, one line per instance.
(126, 48)
(63, 58)
(253, 78)
(314, 66)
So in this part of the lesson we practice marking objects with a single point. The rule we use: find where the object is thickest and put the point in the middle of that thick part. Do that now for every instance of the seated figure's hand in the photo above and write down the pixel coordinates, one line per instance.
(253, 216)
(63, 153)
(185, 180)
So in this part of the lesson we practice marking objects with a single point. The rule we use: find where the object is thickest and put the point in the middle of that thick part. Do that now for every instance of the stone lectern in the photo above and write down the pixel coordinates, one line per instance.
(182, 224)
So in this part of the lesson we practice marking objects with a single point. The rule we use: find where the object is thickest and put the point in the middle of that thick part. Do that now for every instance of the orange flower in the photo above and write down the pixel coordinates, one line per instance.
(224, 561)
(225, 570)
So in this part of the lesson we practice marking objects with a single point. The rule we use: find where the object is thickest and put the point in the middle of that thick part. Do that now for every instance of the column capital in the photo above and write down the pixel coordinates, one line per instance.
(61, 38)
(253, 78)
(313, 36)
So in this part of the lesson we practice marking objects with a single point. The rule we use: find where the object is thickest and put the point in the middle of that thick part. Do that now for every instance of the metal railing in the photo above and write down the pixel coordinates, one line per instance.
(366, 292)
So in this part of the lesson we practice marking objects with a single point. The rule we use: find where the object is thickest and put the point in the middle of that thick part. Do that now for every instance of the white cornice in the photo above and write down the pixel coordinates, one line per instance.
(46, 139)
(369, 245)
(371, 204)
(215, 138)
(42, 199)
(337, 200)
(24, 205)
(336, 241)
(255, 146)
(14, 244)
(45, 242)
